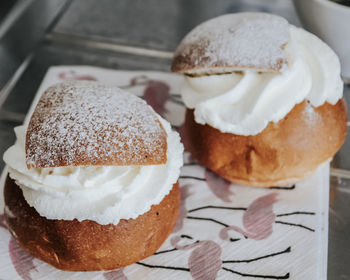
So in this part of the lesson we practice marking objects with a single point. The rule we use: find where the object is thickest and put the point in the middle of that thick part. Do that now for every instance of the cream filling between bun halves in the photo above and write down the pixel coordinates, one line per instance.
(245, 102)
(103, 194)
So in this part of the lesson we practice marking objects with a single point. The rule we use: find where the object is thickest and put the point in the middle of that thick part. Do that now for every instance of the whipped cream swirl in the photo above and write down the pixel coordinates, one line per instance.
(104, 194)
(245, 102)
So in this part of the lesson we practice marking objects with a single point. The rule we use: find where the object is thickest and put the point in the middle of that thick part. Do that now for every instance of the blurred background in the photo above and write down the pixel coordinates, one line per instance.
(142, 35)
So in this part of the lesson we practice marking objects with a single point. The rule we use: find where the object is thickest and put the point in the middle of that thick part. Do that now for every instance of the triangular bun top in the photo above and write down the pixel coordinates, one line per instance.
(234, 42)
(85, 123)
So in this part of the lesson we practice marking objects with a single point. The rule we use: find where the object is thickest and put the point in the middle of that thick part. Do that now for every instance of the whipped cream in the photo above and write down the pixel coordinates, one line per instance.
(245, 102)
(104, 194)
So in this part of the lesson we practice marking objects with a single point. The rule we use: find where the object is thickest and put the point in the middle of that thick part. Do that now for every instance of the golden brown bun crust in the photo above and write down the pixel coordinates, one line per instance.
(284, 152)
(88, 246)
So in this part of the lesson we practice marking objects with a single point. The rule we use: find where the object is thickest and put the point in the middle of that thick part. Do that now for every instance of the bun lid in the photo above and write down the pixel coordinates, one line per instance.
(234, 42)
(84, 123)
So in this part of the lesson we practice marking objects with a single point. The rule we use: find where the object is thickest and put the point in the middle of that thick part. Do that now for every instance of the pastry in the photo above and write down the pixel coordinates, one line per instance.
(264, 98)
(92, 179)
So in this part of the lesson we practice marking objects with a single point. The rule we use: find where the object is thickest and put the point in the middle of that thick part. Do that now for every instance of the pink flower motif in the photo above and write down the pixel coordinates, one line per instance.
(156, 95)
(204, 261)
(72, 76)
(185, 192)
(257, 219)
(115, 275)
(21, 260)
(219, 186)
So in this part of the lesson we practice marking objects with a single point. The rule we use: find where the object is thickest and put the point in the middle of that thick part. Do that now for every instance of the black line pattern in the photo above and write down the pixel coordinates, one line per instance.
(165, 251)
(190, 164)
(295, 225)
(288, 250)
(226, 225)
(282, 188)
(192, 177)
(207, 219)
(234, 239)
(296, 213)
(162, 266)
(186, 236)
(286, 276)
(217, 207)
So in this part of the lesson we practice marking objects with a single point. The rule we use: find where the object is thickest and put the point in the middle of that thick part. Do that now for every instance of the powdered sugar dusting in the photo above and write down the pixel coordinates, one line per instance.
(243, 40)
(87, 123)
